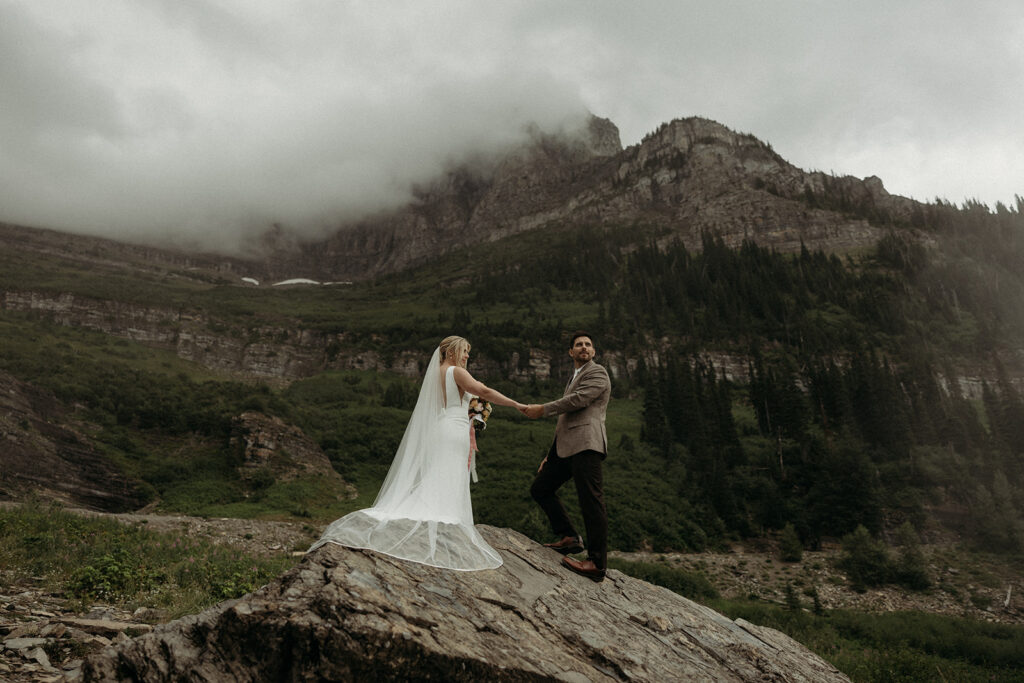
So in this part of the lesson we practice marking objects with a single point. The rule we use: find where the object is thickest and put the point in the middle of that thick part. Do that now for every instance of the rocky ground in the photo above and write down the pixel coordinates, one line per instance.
(45, 639)
(965, 585)
(44, 636)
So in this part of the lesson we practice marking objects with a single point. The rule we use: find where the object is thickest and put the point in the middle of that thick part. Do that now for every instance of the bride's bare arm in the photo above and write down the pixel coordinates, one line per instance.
(466, 382)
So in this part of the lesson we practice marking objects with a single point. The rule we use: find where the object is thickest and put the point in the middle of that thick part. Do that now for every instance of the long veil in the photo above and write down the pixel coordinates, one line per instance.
(422, 512)
(407, 469)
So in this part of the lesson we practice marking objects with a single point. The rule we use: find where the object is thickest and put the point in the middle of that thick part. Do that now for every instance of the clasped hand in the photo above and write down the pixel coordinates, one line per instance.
(532, 411)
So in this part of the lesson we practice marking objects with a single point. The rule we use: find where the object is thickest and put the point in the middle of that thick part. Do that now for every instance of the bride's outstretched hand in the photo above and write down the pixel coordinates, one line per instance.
(519, 406)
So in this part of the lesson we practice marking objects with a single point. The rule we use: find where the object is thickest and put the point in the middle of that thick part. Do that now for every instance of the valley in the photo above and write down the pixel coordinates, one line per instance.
(791, 352)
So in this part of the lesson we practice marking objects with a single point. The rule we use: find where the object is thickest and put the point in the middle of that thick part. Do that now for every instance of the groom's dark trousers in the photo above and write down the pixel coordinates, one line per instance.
(584, 468)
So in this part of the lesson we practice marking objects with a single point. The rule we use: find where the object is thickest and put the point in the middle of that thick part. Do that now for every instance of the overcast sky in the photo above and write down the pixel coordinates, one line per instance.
(210, 119)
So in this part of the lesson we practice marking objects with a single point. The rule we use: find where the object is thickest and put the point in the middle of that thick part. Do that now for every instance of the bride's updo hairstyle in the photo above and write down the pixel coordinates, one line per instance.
(453, 347)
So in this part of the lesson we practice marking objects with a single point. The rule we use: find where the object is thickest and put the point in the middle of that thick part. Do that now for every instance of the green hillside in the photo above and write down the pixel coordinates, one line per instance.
(844, 416)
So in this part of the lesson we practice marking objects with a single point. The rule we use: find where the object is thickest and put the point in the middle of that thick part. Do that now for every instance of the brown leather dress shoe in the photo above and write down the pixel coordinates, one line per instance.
(567, 546)
(585, 568)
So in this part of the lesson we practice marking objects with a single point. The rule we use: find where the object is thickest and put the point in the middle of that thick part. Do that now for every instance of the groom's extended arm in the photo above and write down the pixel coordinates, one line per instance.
(587, 390)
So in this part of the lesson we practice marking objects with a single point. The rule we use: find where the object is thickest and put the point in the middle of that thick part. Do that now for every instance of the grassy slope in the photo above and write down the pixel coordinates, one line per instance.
(94, 559)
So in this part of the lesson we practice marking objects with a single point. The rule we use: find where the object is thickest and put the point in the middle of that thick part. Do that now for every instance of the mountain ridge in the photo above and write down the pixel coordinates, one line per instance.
(688, 177)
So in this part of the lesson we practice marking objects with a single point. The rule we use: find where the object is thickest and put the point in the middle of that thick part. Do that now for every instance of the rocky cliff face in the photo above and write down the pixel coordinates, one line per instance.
(283, 353)
(290, 353)
(697, 175)
(267, 352)
(344, 615)
(41, 452)
(691, 175)
(483, 200)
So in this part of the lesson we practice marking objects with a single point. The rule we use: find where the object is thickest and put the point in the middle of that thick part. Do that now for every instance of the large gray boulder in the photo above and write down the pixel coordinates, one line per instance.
(353, 615)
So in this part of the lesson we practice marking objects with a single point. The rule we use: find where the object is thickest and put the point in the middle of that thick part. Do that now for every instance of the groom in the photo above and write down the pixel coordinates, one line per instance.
(577, 452)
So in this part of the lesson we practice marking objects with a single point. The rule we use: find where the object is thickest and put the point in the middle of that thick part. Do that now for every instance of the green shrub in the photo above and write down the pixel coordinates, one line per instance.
(114, 576)
(689, 584)
(865, 560)
(895, 646)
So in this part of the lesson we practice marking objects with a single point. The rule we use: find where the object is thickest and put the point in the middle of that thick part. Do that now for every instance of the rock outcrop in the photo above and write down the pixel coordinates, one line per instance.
(268, 444)
(345, 614)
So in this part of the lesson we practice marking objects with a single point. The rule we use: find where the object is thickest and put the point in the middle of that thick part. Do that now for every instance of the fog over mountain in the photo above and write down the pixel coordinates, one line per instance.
(235, 121)
(207, 121)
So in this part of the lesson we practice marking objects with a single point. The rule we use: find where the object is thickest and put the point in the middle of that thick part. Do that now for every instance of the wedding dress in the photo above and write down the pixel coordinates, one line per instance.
(423, 511)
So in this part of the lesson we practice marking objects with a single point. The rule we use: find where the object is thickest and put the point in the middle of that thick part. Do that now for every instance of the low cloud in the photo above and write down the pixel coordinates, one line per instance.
(230, 121)
(209, 120)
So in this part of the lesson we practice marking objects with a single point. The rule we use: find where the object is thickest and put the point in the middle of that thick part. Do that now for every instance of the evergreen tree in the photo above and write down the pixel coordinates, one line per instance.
(790, 547)
(910, 569)
(865, 560)
(655, 429)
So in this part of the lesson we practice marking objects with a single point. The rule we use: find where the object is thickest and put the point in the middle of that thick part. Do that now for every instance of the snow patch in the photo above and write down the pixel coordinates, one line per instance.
(251, 281)
(305, 281)
(296, 281)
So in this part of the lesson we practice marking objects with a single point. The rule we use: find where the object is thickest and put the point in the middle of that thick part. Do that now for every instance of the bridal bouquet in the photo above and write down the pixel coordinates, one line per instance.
(479, 411)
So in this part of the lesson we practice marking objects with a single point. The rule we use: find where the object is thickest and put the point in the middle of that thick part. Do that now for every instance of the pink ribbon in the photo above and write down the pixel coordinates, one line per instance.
(472, 446)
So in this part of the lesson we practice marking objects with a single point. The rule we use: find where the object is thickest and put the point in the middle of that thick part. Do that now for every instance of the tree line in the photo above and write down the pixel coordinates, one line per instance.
(849, 414)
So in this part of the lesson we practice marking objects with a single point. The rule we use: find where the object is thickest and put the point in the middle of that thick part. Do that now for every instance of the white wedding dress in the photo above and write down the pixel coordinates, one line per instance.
(423, 512)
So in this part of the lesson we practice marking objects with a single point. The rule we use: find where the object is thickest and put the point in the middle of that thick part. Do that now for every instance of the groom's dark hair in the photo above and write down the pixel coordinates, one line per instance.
(576, 335)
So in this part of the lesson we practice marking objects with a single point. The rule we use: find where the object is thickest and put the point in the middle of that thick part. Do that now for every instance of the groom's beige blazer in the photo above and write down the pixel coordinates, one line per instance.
(581, 412)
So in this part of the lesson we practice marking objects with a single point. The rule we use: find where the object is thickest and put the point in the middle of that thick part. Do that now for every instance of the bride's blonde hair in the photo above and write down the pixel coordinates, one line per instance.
(453, 347)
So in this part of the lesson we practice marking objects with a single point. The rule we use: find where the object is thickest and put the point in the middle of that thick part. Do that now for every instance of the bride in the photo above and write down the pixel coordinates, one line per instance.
(423, 511)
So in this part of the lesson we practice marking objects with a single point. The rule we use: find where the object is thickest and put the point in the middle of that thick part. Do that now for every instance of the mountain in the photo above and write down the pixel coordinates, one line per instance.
(690, 176)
